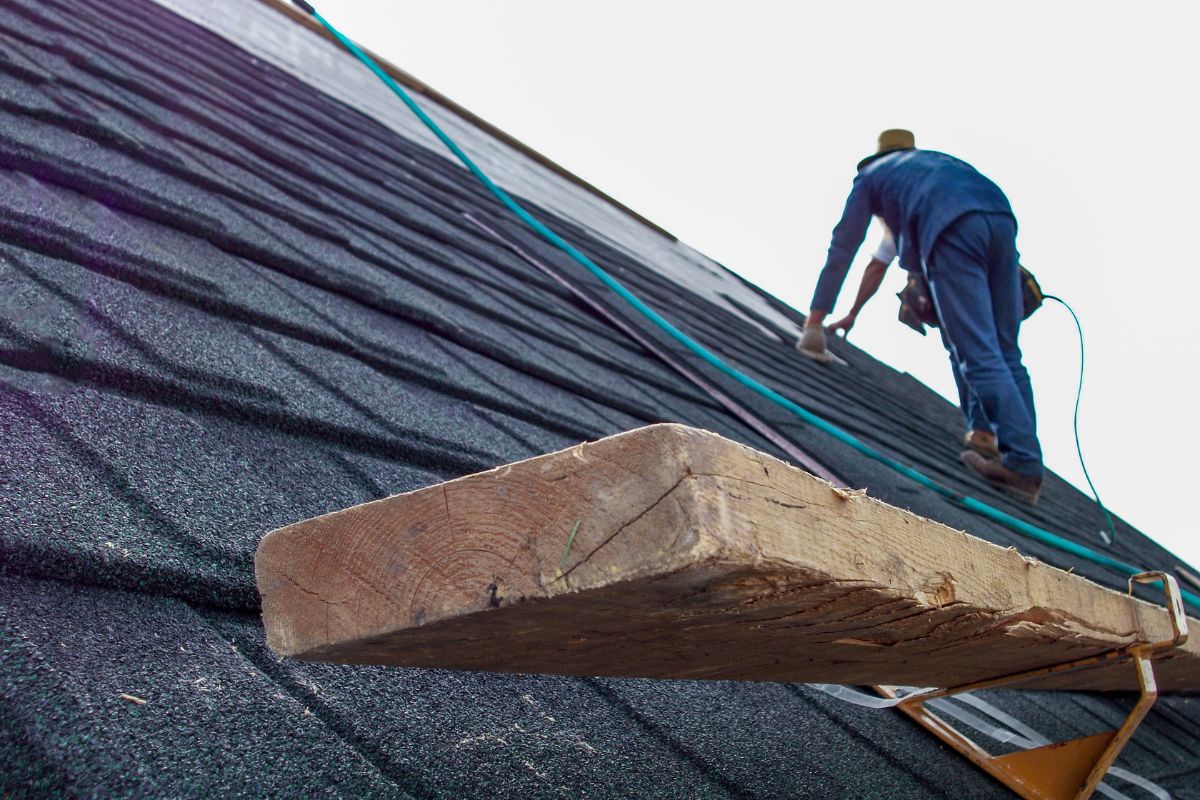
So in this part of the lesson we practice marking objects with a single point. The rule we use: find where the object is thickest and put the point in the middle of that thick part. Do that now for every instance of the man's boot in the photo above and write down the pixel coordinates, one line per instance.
(982, 442)
(1023, 487)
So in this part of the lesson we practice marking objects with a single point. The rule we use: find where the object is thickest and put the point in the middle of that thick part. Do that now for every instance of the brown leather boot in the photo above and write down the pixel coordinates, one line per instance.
(982, 442)
(1023, 487)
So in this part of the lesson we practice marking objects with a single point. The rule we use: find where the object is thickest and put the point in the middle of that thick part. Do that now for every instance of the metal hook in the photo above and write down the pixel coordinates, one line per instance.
(1175, 610)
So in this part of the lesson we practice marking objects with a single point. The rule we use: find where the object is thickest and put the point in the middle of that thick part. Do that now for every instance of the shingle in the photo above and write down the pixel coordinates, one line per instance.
(210, 722)
(229, 301)
(454, 734)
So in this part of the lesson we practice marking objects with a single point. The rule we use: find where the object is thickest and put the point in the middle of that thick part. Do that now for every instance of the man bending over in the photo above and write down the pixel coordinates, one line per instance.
(957, 228)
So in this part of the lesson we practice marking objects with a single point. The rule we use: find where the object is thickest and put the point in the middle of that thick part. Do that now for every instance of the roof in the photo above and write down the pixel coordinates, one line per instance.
(233, 299)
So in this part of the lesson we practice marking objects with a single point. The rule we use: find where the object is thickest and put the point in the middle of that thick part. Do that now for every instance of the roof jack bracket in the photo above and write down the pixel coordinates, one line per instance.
(1062, 770)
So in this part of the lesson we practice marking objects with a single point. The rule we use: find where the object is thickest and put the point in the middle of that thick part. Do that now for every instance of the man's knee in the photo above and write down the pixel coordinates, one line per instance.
(985, 367)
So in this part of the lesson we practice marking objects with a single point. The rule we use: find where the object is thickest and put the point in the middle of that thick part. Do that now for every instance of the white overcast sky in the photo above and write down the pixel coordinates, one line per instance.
(737, 128)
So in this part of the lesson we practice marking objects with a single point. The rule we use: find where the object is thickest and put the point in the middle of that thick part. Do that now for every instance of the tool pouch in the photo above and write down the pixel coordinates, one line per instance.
(916, 305)
(1031, 294)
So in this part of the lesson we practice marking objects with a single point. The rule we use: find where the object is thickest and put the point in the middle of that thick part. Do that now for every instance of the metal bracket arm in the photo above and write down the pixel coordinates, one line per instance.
(1062, 770)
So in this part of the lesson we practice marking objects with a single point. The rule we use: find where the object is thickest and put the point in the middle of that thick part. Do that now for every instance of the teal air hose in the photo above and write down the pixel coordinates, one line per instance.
(969, 503)
(1112, 528)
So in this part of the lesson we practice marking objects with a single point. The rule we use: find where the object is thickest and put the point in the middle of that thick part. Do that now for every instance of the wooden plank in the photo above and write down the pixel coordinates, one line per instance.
(692, 557)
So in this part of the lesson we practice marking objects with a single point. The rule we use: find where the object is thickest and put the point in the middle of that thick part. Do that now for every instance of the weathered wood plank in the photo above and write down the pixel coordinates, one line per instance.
(693, 557)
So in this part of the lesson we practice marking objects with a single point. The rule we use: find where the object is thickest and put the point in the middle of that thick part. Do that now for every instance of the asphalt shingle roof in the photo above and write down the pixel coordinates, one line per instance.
(228, 302)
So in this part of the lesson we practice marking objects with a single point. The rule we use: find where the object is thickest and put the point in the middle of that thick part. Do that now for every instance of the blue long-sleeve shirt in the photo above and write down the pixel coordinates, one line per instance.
(917, 193)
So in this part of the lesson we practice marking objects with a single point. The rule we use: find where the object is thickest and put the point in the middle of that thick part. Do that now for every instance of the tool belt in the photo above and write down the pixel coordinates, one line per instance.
(916, 303)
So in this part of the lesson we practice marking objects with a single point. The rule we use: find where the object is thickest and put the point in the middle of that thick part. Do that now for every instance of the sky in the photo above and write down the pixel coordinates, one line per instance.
(737, 128)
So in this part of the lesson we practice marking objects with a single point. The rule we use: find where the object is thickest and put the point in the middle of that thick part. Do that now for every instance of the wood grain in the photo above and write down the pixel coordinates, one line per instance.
(693, 557)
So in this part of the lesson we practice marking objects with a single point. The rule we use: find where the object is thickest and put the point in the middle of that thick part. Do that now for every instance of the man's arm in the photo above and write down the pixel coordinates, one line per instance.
(871, 281)
(847, 238)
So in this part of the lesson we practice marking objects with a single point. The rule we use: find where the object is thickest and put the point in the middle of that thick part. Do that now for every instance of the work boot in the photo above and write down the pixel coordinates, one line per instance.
(1023, 487)
(982, 442)
(814, 345)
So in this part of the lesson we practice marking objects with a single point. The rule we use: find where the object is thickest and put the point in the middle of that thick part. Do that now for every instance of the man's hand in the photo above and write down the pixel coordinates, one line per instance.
(844, 325)
(871, 280)
(812, 342)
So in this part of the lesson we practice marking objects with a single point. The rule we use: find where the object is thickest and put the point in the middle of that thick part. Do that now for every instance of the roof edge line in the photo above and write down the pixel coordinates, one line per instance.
(410, 81)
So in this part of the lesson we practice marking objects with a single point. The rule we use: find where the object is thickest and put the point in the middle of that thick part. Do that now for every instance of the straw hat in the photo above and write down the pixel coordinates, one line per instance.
(889, 141)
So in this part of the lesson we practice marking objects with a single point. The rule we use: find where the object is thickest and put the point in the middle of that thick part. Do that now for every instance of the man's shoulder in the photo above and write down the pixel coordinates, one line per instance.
(931, 157)
(900, 161)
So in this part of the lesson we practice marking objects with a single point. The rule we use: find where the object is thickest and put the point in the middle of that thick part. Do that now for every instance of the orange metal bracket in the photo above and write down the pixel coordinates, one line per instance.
(1063, 770)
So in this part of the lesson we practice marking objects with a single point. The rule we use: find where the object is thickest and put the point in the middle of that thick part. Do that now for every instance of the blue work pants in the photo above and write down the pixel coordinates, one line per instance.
(977, 419)
(975, 283)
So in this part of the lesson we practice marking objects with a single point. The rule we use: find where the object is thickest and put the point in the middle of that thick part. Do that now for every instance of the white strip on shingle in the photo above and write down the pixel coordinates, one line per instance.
(293, 48)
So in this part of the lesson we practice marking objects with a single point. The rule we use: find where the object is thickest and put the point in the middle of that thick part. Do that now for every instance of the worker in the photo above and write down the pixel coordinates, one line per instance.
(979, 436)
(956, 228)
